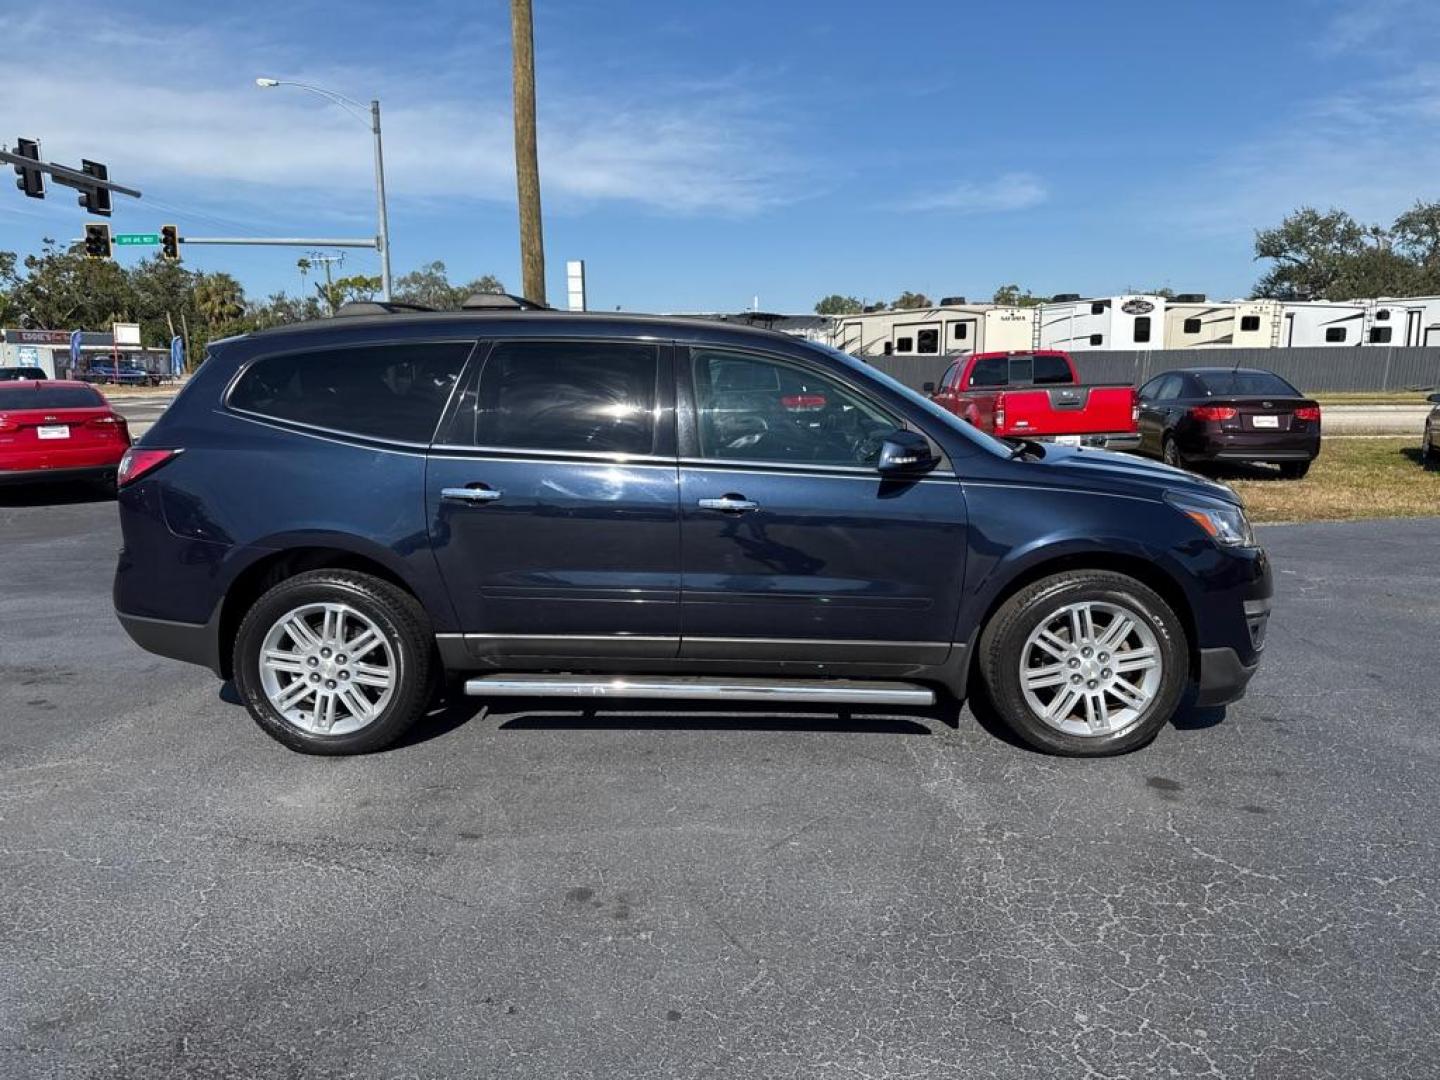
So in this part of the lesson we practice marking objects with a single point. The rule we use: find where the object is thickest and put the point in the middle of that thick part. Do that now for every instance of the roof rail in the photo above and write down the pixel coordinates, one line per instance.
(379, 307)
(486, 301)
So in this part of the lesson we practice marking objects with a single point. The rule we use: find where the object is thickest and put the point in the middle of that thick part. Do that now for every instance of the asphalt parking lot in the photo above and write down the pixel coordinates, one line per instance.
(539, 891)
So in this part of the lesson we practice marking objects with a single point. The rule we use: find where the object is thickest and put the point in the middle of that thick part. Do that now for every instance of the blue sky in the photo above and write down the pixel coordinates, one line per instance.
(698, 155)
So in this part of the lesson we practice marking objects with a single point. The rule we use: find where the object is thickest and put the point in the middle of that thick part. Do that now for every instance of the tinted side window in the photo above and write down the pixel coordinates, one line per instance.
(574, 395)
(754, 408)
(1050, 370)
(1249, 323)
(383, 391)
(927, 341)
(992, 371)
(1380, 335)
(1142, 328)
(1335, 333)
(1192, 326)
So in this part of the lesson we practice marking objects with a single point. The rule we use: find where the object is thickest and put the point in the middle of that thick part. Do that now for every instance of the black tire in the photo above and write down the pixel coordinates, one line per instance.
(400, 619)
(1170, 453)
(1294, 470)
(1002, 644)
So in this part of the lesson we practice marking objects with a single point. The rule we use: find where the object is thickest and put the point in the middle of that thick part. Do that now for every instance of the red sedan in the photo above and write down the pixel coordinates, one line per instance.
(58, 430)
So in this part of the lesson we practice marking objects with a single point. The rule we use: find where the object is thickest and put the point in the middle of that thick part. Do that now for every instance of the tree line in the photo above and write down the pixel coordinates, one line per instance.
(58, 289)
(1313, 255)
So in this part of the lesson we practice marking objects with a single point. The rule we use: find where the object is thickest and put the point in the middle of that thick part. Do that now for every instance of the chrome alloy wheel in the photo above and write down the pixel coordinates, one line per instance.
(1091, 669)
(327, 669)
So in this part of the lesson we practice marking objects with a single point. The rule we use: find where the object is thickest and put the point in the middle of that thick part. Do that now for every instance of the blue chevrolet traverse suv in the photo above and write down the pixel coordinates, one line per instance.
(350, 516)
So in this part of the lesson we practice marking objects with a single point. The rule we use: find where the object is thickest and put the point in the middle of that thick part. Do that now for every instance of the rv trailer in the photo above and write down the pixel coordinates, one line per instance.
(945, 330)
(1192, 322)
(1407, 321)
(1109, 322)
(1320, 323)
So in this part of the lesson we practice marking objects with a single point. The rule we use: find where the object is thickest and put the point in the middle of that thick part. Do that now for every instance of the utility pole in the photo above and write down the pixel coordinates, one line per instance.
(527, 163)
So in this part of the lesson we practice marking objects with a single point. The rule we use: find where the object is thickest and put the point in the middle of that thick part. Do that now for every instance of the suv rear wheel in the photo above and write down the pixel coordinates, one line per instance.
(1085, 663)
(334, 662)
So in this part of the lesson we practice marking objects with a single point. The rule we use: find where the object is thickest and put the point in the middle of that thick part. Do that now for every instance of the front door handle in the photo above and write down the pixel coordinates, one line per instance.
(470, 494)
(733, 504)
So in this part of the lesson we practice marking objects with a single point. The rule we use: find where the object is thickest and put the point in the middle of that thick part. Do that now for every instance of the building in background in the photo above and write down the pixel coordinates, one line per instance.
(1075, 324)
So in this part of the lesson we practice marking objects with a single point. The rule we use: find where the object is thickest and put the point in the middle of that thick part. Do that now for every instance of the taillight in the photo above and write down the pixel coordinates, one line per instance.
(1213, 412)
(6, 424)
(139, 461)
(1308, 412)
(113, 424)
(999, 412)
(1135, 407)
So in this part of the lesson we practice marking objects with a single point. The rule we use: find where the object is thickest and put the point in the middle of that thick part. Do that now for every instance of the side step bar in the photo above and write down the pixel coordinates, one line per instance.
(702, 688)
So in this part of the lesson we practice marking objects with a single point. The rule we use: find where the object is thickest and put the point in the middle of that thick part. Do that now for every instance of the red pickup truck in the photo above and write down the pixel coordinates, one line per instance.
(1034, 395)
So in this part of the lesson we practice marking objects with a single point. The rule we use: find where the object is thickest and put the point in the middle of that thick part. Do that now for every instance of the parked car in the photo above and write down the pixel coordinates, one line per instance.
(1430, 443)
(58, 430)
(11, 374)
(1036, 395)
(124, 373)
(592, 506)
(1196, 415)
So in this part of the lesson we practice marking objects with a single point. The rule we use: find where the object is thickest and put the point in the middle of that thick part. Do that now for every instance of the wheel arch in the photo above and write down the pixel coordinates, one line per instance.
(277, 565)
(1143, 567)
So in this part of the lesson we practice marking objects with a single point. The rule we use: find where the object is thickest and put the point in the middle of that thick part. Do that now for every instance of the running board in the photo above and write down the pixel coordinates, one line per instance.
(701, 688)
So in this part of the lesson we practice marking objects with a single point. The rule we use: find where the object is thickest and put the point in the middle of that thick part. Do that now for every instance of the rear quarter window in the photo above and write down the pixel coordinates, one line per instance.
(394, 392)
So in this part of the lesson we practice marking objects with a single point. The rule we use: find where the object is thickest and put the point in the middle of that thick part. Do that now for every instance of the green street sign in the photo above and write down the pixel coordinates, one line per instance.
(135, 238)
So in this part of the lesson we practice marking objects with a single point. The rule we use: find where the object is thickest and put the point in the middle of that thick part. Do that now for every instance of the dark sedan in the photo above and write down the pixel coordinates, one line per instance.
(1198, 415)
(12, 374)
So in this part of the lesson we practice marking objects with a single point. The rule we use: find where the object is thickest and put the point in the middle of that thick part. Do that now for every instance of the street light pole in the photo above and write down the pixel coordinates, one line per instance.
(382, 241)
(380, 201)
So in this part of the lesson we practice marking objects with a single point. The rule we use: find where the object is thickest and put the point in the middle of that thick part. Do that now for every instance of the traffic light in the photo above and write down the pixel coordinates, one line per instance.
(170, 243)
(31, 181)
(95, 200)
(97, 240)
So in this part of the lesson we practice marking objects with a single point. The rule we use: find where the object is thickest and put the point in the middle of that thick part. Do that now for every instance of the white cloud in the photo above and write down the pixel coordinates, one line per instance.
(1373, 150)
(1012, 191)
(170, 127)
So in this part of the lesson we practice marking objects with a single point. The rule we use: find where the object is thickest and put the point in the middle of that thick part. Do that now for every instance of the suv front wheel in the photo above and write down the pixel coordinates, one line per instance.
(1085, 663)
(334, 662)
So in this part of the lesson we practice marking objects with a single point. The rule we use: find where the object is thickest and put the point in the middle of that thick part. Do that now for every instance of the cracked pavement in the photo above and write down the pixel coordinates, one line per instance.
(537, 891)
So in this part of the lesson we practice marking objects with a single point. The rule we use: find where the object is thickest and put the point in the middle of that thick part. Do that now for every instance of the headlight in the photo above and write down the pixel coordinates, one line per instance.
(1224, 523)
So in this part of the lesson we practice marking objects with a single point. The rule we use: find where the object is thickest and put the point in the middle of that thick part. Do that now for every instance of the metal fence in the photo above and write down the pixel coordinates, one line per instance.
(1312, 370)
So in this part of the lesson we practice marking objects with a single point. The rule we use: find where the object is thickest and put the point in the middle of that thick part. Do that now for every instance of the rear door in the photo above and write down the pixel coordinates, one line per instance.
(552, 500)
(795, 549)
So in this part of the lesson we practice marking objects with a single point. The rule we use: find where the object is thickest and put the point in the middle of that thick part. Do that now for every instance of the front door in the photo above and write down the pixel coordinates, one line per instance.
(795, 548)
(552, 501)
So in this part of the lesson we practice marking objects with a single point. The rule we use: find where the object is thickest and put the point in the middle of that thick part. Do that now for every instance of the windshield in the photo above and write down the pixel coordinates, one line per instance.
(935, 412)
(1243, 383)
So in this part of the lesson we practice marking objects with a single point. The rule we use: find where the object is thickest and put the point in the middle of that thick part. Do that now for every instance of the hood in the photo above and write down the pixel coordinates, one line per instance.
(1089, 467)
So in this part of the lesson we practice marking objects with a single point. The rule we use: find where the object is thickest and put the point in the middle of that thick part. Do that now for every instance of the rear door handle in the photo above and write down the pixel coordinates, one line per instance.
(470, 494)
(733, 504)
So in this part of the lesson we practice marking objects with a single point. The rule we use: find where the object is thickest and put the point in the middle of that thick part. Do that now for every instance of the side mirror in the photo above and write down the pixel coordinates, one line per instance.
(928, 387)
(905, 453)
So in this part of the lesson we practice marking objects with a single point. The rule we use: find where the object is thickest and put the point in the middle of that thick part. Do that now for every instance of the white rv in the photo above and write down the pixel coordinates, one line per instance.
(1108, 322)
(1192, 322)
(1410, 320)
(946, 330)
(1312, 323)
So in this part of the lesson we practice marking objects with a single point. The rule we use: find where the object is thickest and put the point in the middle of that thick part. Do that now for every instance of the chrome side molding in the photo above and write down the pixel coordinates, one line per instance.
(702, 688)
